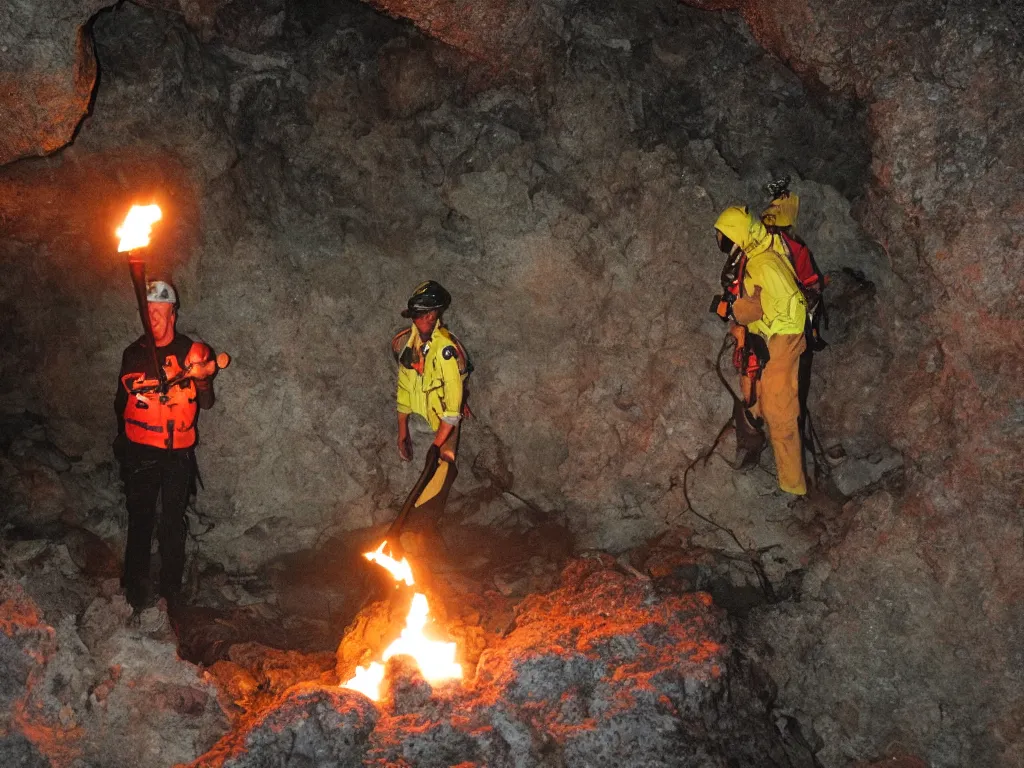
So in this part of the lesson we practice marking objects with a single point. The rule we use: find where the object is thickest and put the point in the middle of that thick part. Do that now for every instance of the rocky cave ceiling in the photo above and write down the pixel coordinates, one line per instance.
(558, 165)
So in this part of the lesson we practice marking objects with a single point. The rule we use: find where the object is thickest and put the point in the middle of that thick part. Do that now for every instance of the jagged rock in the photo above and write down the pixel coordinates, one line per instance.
(18, 752)
(310, 725)
(407, 690)
(853, 474)
(411, 78)
(505, 37)
(255, 676)
(867, 624)
(47, 74)
(599, 671)
(124, 700)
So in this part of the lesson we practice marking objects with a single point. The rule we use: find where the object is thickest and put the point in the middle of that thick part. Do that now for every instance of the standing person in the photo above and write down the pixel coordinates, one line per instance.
(156, 443)
(432, 366)
(771, 305)
(779, 219)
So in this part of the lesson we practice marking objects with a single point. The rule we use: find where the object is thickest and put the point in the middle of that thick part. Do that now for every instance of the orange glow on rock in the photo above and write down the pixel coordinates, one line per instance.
(134, 232)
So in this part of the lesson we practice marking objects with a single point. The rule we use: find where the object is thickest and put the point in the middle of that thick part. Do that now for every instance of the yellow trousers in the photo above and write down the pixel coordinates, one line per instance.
(779, 404)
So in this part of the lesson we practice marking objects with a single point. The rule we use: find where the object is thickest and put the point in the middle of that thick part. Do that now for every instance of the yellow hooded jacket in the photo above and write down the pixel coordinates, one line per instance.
(783, 306)
(436, 395)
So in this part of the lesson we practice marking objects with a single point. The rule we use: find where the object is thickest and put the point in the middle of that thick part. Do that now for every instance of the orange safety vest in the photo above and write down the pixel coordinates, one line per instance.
(161, 420)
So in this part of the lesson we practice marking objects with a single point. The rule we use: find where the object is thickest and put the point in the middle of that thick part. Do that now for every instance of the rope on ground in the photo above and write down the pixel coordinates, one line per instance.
(752, 556)
(822, 468)
(201, 518)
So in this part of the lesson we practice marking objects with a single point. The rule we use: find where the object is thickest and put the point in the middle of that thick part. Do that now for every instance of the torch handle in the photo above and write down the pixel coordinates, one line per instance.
(394, 532)
(222, 361)
(137, 267)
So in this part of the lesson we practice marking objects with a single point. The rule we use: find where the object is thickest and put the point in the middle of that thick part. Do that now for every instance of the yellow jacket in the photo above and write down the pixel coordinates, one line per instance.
(436, 394)
(783, 306)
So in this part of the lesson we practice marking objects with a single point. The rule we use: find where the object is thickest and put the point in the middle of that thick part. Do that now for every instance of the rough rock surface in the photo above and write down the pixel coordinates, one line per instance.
(319, 162)
(601, 671)
(47, 74)
(88, 690)
(867, 665)
(508, 38)
(311, 725)
(301, 210)
(940, 561)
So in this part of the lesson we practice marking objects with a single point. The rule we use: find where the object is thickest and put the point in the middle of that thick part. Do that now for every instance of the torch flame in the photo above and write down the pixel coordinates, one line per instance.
(435, 658)
(134, 232)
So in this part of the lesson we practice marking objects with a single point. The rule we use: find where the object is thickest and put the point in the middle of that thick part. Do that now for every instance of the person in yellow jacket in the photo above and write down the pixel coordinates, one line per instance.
(771, 304)
(432, 366)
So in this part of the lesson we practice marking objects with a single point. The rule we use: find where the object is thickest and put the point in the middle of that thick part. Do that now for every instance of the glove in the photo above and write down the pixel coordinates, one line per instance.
(199, 361)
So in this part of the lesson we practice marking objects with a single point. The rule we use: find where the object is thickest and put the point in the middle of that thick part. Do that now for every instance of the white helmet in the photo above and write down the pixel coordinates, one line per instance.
(159, 292)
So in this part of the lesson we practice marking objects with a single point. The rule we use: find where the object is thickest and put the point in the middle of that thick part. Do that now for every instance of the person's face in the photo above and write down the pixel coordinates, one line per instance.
(162, 317)
(425, 323)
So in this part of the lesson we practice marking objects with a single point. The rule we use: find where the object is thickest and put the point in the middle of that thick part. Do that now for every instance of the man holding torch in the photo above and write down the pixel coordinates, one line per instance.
(157, 412)
(165, 379)
(432, 369)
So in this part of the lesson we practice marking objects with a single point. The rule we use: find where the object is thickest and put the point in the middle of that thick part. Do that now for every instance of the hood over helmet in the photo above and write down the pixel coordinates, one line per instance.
(744, 230)
(782, 211)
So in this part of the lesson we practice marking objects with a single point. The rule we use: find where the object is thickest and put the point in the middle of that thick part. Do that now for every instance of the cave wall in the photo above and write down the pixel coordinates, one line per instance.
(47, 74)
(319, 163)
(944, 201)
(314, 178)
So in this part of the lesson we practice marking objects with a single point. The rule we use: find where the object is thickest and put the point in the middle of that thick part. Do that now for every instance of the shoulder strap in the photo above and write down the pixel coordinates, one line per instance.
(399, 342)
(800, 257)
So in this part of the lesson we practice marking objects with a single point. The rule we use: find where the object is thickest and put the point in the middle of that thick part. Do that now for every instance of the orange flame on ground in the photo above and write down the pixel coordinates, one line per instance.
(402, 571)
(134, 232)
(435, 658)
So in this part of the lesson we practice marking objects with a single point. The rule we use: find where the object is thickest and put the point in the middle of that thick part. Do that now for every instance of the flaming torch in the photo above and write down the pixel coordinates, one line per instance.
(134, 234)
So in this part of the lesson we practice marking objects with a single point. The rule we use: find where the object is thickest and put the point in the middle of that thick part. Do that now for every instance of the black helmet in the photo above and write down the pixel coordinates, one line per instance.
(427, 296)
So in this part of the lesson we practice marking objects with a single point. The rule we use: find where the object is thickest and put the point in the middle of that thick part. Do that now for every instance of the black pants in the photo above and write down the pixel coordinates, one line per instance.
(150, 472)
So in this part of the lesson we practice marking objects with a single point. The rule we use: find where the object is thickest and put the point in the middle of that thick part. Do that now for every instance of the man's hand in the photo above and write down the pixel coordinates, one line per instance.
(203, 370)
(404, 447)
(199, 361)
(404, 443)
(441, 437)
(748, 309)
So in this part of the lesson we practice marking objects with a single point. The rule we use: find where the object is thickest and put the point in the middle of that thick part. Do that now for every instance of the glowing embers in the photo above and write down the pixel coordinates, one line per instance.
(134, 232)
(435, 658)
